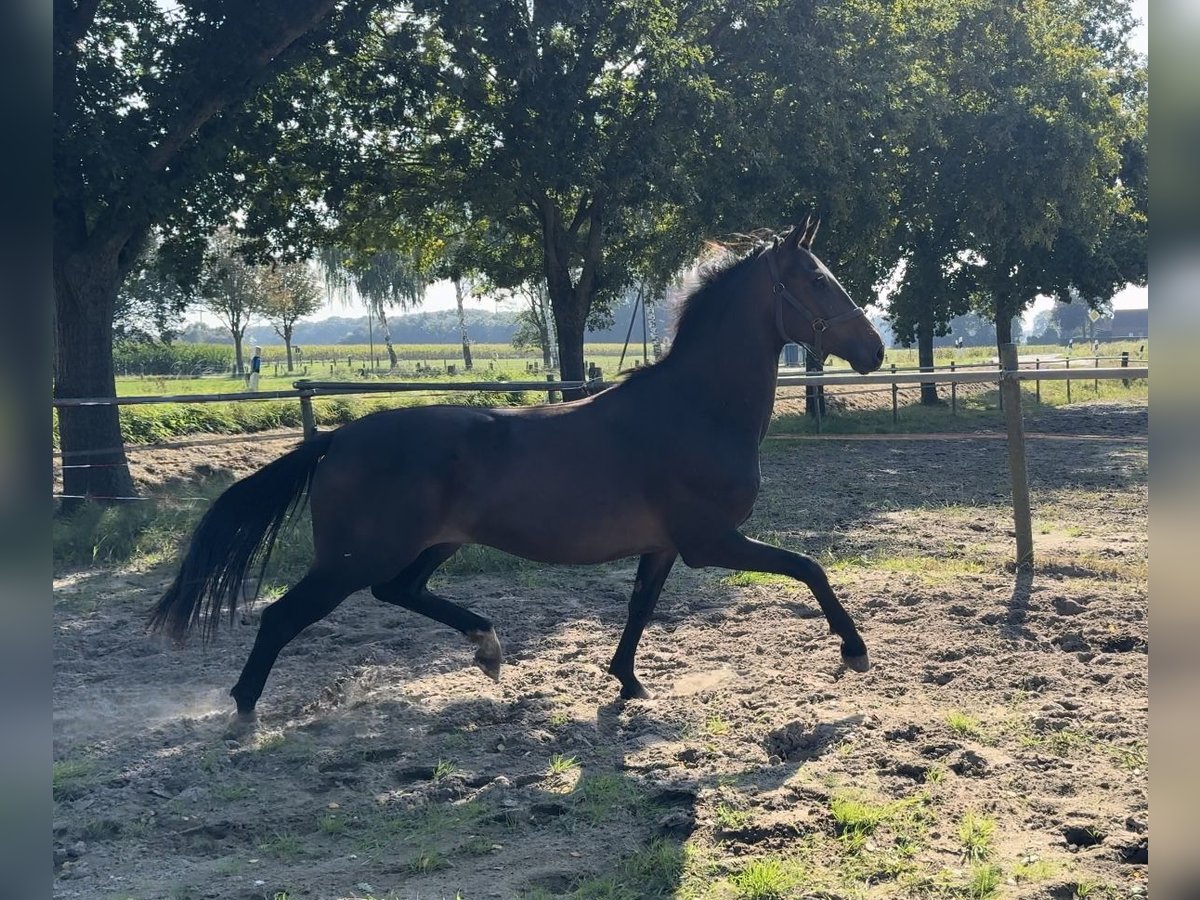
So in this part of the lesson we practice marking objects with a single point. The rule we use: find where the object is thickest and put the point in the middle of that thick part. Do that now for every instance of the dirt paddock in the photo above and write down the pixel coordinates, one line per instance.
(997, 747)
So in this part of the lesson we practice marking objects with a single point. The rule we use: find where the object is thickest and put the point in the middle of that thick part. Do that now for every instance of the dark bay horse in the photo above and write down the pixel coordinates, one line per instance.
(665, 463)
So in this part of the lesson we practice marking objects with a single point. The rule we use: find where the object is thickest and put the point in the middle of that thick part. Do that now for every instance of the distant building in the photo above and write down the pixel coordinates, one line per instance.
(1125, 323)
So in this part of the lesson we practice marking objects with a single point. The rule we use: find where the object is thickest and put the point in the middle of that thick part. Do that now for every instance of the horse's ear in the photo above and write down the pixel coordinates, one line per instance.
(792, 240)
(810, 232)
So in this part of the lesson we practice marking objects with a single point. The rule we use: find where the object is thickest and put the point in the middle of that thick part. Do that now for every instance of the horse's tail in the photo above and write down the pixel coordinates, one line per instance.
(237, 532)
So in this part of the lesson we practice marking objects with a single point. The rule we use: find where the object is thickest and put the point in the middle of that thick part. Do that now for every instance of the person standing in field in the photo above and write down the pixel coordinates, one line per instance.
(255, 368)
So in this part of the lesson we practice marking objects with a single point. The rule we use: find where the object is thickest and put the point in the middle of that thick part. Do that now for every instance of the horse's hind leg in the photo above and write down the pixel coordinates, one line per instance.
(651, 575)
(314, 597)
(408, 591)
(733, 550)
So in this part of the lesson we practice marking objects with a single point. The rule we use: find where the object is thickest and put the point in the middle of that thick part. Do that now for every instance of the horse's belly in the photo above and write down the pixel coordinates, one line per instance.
(577, 538)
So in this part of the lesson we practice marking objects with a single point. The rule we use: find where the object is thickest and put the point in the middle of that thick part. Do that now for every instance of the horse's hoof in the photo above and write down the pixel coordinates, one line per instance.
(241, 724)
(635, 691)
(857, 663)
(489, 656)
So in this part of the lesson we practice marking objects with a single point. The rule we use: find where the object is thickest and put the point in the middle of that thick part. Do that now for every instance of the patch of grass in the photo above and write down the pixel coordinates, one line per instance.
(657, 868)
(149, 532)
(427, 861)
(855, 818)
(935, 774)
(229, 865)
(1131, 759)
(230, 792)
(444, 769)
(963, 724)
(561, 765)
(984, 882)
(652, 872)
(729, 818)
(71, 777)
(976, 833)
(211, 759)
(265, 741)
(332, 824)
(758, 579)
(378, 833)
(283, 846)
(767, 878)
(716, 726)
(932, 568)
(559, 718)
(1033, 870)
(1064, 742)
(600, 797)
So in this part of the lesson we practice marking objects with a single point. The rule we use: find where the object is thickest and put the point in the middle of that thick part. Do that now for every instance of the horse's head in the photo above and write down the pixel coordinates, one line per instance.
(812, 308)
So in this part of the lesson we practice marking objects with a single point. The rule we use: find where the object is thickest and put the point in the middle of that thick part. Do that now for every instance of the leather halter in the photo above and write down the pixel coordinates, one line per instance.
(819, 325)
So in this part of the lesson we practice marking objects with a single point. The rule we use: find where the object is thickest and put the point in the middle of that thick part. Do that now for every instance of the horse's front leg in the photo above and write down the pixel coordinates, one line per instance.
(651, 574)
(733, 550)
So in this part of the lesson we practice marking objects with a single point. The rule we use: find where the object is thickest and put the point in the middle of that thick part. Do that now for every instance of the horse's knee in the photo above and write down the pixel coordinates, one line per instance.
(809, 570)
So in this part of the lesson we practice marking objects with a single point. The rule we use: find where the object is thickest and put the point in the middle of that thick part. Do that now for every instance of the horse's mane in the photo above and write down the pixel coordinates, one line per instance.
(724, 263)
(704, 303)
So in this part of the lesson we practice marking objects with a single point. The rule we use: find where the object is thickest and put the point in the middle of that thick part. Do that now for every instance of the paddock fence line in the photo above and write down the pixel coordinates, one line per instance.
(1008, 376)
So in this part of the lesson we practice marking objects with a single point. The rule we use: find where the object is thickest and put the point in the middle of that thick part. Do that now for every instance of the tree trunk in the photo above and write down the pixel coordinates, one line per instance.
(569, 321)
(462, 324)
(239, 367)
(85, 296)
(393, 360)
(1003, 325)
(544, 337)
(287, 342)
(929, 394)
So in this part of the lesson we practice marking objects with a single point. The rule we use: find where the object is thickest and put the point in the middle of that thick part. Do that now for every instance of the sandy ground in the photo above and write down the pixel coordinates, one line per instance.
(385, 765)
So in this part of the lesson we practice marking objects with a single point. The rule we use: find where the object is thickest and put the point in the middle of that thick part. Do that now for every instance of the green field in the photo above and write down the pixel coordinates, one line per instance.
(160, 422)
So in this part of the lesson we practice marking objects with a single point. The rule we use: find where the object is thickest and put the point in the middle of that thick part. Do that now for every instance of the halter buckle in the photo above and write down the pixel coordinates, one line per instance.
(819, 325)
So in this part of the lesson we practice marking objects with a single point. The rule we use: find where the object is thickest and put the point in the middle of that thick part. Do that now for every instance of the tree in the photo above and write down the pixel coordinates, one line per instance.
(1022, 170)
(233, 290)
(1039, 143)
(534, 321)
(610, 137)
(382, 279)
(155, 107)
(289, 292)
(151, 301)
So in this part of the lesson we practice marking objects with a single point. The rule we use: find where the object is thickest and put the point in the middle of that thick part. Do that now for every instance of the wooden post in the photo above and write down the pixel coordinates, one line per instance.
(306, 416)
(1037, 364)
(895, 396)
(550, 394)
(1125, 365)
(1096, 381)
(1068, 381)
(953, 393)
(1022, 519)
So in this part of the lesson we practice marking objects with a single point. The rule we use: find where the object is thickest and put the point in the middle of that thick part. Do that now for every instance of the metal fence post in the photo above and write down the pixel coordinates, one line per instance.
(895, 396)
(1037, 385)
(550, 393)
(1096, 381)
(1125, 365)
(1010, 385)
(953, 393)
(1068, 381)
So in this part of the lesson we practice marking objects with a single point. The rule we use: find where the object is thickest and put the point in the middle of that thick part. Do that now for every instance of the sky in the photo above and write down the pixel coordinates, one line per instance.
(441, 294)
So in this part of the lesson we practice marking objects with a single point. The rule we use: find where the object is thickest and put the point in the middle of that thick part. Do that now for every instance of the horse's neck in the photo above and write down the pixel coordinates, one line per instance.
(732, 370)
